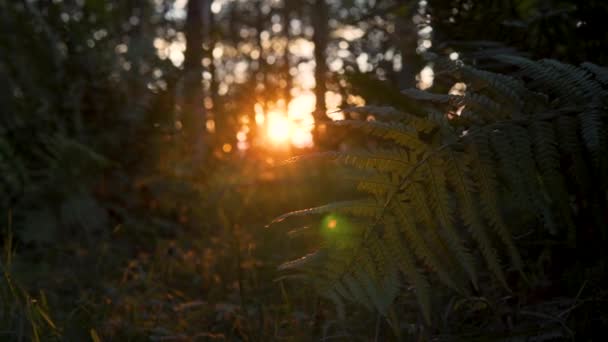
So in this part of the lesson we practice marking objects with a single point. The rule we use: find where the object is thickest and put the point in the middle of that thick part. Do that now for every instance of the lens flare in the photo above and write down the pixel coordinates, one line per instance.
(332, 224)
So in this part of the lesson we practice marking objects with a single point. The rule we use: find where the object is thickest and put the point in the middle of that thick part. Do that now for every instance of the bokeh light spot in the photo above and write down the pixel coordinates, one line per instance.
(332, 223)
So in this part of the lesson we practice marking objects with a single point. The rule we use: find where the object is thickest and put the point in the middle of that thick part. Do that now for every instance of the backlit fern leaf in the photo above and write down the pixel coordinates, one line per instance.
(419, 246)
(416, 195)
(548, 160)
(357, 290)
(485, 107)
(405, 260)
(380, 159)
(453, 188)
(570, 144)
(514, 174)
(482, 164)
(379, 274)
(577, 80)
(416, 94)
(364, 207)
(440, 202)
(396, 132)
(521, 141)
(301, 262)
(465, 188)
(376, 184)
(541, 73)
(383, 113)
(506, 87)
(600, 73)
(593, 130)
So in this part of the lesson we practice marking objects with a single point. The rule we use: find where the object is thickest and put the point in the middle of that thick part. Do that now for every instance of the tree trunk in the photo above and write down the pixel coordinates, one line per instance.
(193, 110)
(406, 40)
(286, 62)
(320, 38)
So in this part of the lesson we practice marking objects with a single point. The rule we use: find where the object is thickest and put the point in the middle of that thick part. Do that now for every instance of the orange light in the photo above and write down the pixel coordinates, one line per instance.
(227, 148)
(289, 124)
(332, 224)
(210, 125)
(278, 128)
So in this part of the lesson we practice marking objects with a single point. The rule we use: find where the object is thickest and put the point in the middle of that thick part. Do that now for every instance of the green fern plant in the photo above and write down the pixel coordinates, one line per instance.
(527, 151)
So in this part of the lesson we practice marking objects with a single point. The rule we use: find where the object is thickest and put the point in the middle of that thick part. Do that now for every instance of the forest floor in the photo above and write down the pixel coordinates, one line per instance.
(179, 260)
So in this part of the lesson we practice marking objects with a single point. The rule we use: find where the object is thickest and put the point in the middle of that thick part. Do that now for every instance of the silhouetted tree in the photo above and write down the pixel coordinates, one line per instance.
(320, 39)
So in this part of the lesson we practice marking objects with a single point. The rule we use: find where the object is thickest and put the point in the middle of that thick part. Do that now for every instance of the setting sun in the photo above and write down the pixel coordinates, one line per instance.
(278, 128)
(291, 126)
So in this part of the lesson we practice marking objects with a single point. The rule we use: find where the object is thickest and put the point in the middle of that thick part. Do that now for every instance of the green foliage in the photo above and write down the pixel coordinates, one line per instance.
(522, 152)
(22, 315)
(566, 30)
(65, 105)
(119, 234)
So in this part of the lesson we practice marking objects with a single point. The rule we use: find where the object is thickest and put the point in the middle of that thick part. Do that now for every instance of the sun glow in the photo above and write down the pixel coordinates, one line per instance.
(278, 128)
(283, 126)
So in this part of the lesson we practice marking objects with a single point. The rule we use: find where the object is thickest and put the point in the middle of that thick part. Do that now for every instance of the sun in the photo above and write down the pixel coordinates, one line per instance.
(286, 126)
(278, 128)
(286, 129)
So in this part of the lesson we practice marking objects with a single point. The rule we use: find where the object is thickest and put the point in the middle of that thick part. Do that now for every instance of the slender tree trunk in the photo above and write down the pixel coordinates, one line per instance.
(320, 38)
(262, 68)
(210, 39)
(286, 62)
(406, 39)
(193, 110)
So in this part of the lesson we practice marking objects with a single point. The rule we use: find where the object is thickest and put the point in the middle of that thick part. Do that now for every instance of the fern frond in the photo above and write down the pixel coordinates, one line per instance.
(379, 274)
(406, 263)
(377, 184)
(548, 160)
(465, 188)
(508, 88)
(420, 248)
(481, 157)
(397, 132)
(366, 278)
(417, 195)
(440, 202)
(514, 174)
(521, 142)
(357, 291)
(485, 107)
(600, 73)
(477, 105)
(572, 148)
(541, 73)
(384, 113)
(421, 95)
(458, 187)
(575, 79)
(380, 159)
(593, 130)
(362, 208)
(568, 83)
(302, 261)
